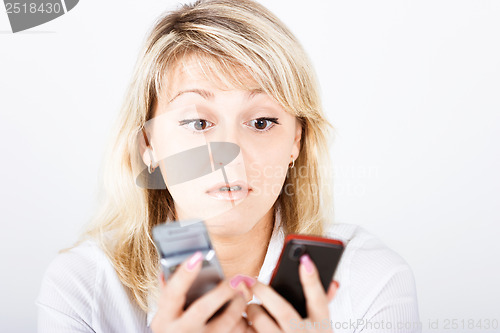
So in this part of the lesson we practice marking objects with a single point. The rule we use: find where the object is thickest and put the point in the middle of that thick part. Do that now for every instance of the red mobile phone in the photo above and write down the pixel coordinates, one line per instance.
(324, 252)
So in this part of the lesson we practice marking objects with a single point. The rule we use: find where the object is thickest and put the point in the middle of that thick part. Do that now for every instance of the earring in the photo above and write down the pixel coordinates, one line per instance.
(292, 163)
(150, 168)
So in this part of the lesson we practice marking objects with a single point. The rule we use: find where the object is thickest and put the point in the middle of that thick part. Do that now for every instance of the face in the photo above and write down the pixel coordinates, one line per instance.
(206, 138)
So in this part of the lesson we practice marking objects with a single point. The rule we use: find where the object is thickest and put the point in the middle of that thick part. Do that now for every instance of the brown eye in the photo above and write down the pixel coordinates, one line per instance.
(260, 124)
(264, 124)
(200, 124)
(195, 125)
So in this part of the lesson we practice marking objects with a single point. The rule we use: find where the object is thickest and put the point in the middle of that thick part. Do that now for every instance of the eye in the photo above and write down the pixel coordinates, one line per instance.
(198, 125)
(264, 124)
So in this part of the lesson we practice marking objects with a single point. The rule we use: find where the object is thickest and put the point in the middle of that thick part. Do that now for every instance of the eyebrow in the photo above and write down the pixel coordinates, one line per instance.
(210, 95)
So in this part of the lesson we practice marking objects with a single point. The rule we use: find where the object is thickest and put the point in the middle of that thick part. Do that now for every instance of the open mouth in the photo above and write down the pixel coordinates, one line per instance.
(232, 191)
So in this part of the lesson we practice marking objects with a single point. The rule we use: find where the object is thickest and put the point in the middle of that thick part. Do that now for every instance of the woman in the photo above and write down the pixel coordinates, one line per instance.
(228, 73)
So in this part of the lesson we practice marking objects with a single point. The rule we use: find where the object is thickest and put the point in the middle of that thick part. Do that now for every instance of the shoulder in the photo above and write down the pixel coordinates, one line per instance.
(68, 287)
(364, 250)
(81, 291)
(371, 274)
(73, 270)
(79, 264)
(362, 245)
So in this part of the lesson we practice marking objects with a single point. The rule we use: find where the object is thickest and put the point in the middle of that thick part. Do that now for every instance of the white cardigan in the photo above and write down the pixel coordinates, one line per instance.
(81, 292)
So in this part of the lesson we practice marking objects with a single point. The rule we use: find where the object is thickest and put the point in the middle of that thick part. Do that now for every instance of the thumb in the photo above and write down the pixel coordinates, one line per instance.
(332, 290)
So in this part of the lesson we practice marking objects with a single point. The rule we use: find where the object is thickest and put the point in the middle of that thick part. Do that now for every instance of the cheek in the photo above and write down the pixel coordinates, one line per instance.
(267, 174)
(267, 164)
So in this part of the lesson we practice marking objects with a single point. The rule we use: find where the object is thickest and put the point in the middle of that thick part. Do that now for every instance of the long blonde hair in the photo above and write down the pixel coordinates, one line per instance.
(231, 40)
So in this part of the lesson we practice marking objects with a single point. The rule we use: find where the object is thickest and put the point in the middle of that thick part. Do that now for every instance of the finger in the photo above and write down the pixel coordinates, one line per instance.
(174, 290)
(316, 299)
(161, 278)
(277, 306)
(230, 320)
(260, 319)
(250, 329)
(332, 290)
(204, 307)
(240, 327)
(243, 284)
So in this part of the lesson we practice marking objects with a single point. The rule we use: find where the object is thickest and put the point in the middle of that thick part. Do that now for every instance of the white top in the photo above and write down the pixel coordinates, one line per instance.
(81, 292)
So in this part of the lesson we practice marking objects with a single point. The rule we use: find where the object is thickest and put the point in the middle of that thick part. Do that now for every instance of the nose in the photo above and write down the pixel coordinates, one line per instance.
(223, 153)
(224, 144)
(226, 131)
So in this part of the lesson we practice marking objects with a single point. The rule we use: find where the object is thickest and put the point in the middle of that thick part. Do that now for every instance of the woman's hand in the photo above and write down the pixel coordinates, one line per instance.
(171, 317)
(281, 316)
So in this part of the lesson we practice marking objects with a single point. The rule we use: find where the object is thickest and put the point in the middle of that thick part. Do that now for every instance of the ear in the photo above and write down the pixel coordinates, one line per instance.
(143, 149)
(298, 136)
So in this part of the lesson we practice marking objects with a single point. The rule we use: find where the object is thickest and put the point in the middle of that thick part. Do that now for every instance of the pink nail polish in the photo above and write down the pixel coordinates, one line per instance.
(247, 280)
(195, 258)
(307, 262)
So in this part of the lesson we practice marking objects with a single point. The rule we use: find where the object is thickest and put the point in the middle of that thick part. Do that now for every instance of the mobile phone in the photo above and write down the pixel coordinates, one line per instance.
(324, 252)
(178, 240)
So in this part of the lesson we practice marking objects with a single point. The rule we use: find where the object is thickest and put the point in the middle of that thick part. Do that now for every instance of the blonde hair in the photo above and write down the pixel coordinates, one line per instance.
(232, 41)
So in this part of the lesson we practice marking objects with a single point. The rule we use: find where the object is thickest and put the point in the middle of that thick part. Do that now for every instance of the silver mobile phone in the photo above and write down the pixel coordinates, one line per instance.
(178, 240)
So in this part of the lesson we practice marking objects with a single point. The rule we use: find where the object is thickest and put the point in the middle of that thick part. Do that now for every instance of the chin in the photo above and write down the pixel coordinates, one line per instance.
(230, 223)
(221, 217)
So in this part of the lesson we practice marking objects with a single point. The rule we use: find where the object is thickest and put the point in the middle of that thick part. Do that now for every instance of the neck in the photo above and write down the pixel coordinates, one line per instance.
(245, 253)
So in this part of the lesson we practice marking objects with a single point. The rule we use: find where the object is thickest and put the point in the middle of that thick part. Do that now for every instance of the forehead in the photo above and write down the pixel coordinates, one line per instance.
(208, 73)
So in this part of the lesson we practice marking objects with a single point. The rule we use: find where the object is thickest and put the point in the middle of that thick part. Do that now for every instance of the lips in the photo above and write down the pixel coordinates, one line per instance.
(216, 188)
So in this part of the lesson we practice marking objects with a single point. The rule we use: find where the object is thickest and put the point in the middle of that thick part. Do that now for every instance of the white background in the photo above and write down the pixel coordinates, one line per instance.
(412, 88)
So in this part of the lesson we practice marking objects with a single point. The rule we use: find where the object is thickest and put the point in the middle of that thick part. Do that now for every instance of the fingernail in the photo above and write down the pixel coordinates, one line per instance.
(307, 262)
(247, 280)
(195, 259)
